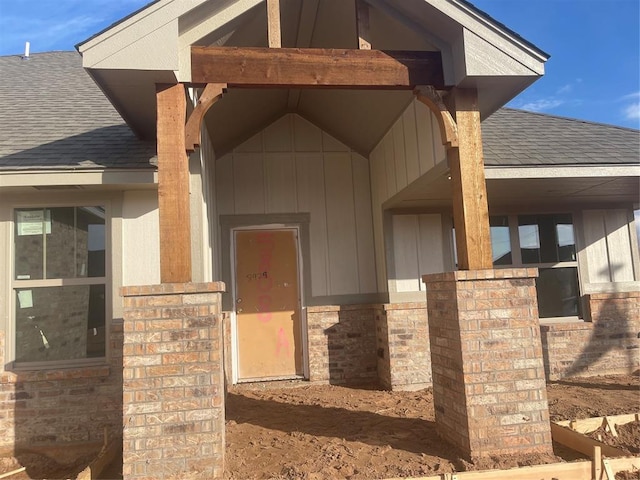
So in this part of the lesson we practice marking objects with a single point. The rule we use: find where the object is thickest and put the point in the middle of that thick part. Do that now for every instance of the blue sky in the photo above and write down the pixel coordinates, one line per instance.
(593, 73)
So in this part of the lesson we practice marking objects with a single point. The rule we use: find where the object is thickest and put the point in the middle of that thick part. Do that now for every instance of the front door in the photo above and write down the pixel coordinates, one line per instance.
(267, 296)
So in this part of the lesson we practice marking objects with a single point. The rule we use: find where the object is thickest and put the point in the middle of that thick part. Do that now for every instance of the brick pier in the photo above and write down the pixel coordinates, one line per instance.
(173, 387)
(488, 375)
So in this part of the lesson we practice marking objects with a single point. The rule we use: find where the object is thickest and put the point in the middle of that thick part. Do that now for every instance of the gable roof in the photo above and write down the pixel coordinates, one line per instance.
(517, 137)
(53, 116)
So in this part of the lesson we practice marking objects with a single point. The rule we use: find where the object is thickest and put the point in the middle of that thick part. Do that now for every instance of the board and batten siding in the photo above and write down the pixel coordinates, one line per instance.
(410, 148)
(610, 248)
(292, 166)
(140, 238)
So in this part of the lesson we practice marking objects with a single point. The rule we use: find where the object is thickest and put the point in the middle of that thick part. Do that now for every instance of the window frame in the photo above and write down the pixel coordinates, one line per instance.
(13, 284)
(516, 255)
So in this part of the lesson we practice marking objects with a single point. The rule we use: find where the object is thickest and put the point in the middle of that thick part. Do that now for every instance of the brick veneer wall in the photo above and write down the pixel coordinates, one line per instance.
(342, 344)
(173, 385)
(488, 376)
(56, 406)
(608, 343)
(404, 357)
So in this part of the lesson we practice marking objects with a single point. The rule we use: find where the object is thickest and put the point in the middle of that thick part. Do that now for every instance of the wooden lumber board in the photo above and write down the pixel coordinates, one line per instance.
(22, 469)
(315, 67)
(581, 443)
(624, 464)
(559, 471)
(273, 24)
(173, 185)
(470, 204)
(588, 425)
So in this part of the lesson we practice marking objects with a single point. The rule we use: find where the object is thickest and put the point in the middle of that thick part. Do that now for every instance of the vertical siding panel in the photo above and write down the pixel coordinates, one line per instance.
(389, 165)
(425, 138)
(364, 224)
(307, 137)
(411, 143)
(330, 144)
(224, 185)
(280, 183)
(277, 136)
(405, 254)
(253, 145)
(343, 266)
(619, 246)
(430, 247)
(595, 238)
(248, 183)
(311, 198)
(399, 155)
(378, 194)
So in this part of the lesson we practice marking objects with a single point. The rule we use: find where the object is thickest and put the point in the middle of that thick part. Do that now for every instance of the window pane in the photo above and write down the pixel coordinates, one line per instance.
(558, 293)
(60, 244)
(31, 225)
(529, 238)
(546, 238)
(90, 240)
(500, 240)
(566, 240)
(60, 323)
(63, 242)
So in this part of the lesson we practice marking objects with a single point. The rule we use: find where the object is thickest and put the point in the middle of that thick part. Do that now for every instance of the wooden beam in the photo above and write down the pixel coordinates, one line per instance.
(470, 206)
(210, 95)
(362, 16)
(273, 24)
(432, 99)
(173, 185)
(314, 67)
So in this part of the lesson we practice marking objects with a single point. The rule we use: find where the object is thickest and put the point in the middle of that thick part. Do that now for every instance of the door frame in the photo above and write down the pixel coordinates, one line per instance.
(304, 340)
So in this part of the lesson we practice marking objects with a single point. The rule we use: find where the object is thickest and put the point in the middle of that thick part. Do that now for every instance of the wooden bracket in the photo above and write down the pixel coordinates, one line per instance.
(210, 95)
(432, 99)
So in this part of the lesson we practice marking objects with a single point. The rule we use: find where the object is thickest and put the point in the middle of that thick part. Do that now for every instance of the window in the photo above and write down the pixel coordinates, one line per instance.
(546, 242)
(59, 284)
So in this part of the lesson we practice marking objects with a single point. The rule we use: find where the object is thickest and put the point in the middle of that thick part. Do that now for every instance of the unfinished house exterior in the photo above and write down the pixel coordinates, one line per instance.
(332, 234)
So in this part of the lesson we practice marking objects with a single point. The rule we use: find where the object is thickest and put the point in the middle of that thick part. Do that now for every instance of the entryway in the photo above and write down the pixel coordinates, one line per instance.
(267, 304)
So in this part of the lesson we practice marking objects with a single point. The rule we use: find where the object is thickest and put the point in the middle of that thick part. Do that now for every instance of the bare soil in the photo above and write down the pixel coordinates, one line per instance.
(329, 432)
(313, 432)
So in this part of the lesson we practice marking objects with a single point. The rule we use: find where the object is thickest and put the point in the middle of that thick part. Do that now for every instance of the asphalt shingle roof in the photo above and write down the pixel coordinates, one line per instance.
(516, 137)
(53, 116)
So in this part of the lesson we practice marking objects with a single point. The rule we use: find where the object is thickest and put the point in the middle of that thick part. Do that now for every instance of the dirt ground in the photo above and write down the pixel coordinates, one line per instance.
(307, 432)
(329, 432)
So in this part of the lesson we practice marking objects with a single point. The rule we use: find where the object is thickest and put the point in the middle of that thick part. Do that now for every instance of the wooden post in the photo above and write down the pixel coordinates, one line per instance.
(173, 185)
(362, 15)
(470, 207)
(273, 24)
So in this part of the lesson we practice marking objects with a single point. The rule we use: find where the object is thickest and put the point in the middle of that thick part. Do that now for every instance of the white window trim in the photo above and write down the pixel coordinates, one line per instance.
(13, 284)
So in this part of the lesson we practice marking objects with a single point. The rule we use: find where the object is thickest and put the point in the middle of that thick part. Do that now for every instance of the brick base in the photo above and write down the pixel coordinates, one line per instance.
(342, 344)
(173, 385)
(488, 376)
(404, 361)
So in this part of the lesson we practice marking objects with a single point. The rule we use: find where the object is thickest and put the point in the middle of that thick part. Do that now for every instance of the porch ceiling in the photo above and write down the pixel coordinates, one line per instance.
(549, 188)
(152, 46)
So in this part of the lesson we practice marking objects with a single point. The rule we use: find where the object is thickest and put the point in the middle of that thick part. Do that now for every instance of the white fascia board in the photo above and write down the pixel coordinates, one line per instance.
(44, 178)
(502, 39)
(563, 171)
(133, 37)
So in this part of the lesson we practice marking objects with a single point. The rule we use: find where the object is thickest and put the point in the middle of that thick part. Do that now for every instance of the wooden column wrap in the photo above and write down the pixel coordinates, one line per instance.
(173, 185)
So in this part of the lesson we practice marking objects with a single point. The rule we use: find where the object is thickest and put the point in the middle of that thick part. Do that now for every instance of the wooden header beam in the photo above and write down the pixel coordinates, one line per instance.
(313, 67)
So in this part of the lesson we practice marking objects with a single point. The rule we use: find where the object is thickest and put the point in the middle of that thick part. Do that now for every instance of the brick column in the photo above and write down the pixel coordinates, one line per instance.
(488, 375)
(173, 386)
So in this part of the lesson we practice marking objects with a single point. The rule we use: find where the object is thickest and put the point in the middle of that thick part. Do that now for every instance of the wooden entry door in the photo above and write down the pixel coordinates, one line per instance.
(267, 296)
